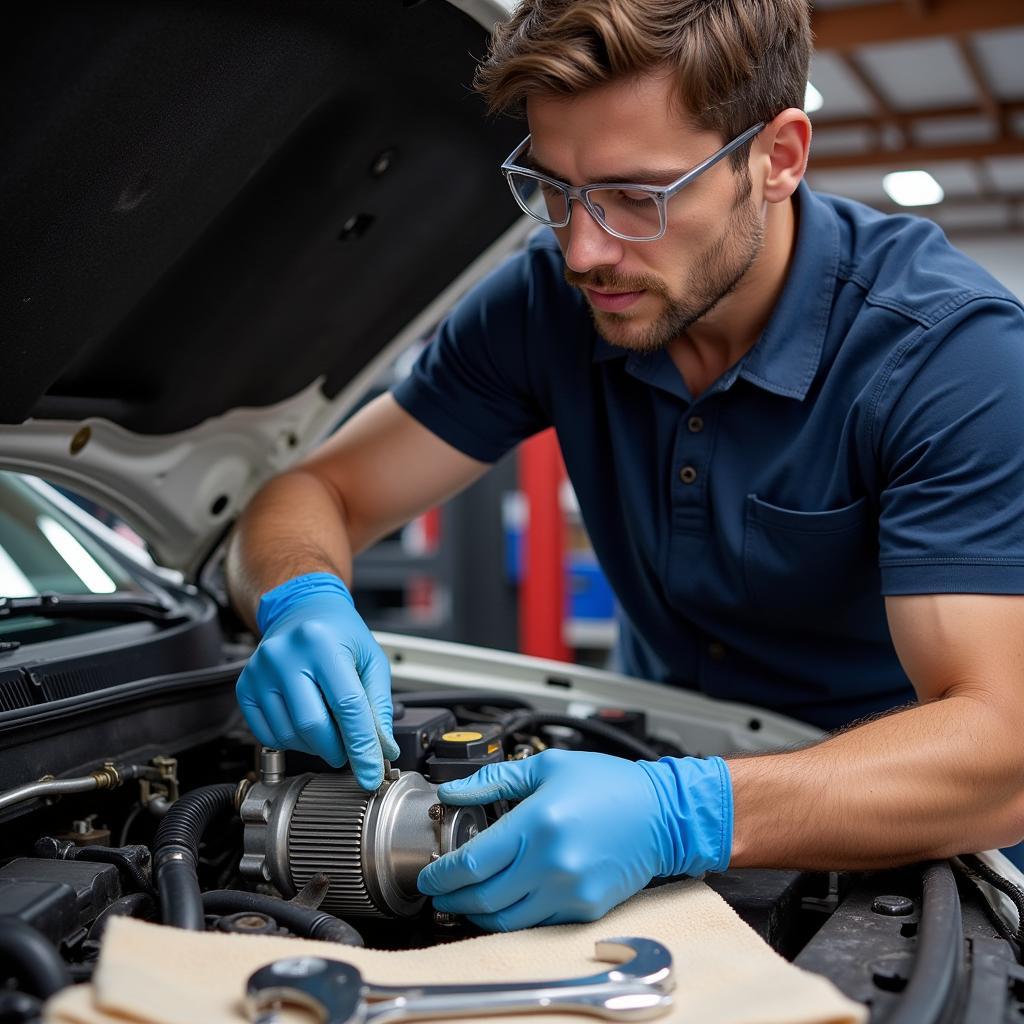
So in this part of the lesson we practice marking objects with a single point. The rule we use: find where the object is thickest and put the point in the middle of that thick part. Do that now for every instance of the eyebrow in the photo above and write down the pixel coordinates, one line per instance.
(639, 176)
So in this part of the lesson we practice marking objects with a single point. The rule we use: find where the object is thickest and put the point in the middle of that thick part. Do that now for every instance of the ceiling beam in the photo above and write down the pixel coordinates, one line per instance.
(1012, 227)
(1006, 111)
(1011, 200)
(896, 20)
(986, 97)
(987, 187)
(915, 156)
(883, 110)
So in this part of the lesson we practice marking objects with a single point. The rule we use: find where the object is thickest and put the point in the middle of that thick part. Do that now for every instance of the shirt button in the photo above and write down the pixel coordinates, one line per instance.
(716, 651)
(687, 474)
(696, 424)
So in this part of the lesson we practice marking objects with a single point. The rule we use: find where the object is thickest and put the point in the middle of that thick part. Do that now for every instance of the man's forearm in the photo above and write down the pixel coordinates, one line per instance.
(926, 782)
(294, 525)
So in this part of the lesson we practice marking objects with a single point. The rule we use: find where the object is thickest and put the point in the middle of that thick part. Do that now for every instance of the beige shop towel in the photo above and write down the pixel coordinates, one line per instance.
(725, 973)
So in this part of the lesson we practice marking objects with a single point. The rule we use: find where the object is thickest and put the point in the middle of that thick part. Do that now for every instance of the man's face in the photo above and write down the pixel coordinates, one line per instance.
(645, 294)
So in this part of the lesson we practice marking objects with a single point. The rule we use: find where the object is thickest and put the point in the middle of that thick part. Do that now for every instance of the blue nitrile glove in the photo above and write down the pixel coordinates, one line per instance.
(318, 681)
(591, 831)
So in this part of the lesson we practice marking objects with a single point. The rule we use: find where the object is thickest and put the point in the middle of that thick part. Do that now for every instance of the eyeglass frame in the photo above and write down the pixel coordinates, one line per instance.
(581, 193)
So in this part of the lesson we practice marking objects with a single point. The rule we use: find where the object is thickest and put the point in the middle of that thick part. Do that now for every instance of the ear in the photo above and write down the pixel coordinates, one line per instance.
(784, 145)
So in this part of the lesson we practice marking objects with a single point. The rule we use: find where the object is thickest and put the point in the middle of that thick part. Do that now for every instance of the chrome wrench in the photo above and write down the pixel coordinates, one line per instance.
(336, 993)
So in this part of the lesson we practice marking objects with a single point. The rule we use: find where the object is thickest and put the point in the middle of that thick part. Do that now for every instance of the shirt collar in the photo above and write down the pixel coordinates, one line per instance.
(788, 353)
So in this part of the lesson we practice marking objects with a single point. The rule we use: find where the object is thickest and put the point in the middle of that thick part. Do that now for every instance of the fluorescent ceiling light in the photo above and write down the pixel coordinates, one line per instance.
(813, 100)
(913, 188)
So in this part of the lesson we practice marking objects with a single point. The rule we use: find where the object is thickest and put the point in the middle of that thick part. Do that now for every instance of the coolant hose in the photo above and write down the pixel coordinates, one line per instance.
(306, 922)
(176, 852)
(30, 957)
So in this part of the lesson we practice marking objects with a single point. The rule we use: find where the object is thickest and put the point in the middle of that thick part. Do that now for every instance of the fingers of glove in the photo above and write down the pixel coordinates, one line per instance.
(388, 744)
(481, 858)
(350, 709)
(312, 719)
(258, 724)
(509, 780)
(497, 893)
(531, 910)
(375, 673)
(284, 735)
(576, 914)
(259, 690)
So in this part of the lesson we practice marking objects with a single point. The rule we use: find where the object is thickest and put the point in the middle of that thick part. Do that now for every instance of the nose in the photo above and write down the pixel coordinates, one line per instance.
(586, 244)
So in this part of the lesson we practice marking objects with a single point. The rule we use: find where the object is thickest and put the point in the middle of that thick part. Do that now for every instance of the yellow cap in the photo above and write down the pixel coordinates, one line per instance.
(462, 737)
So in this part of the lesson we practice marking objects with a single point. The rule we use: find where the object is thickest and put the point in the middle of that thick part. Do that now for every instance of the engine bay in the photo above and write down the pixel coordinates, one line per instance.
(224, 835)
(232, 837)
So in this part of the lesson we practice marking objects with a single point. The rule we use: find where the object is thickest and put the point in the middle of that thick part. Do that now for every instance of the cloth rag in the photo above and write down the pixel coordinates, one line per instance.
(725, 973)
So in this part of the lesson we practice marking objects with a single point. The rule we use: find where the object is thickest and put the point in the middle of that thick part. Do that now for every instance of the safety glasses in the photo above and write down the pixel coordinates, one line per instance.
(632, 212)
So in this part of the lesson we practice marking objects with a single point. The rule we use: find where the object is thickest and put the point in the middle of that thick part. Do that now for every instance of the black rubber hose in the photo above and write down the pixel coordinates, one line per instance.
(130, 861)
(302, 921)
(176, 852)
(937, 983)
(136, 904)
(126, 861)
(588, 726)
(20, 1008)
(29, 957)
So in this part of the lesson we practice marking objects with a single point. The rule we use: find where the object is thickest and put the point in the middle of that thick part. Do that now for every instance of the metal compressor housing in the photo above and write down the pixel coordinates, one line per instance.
(370, 845)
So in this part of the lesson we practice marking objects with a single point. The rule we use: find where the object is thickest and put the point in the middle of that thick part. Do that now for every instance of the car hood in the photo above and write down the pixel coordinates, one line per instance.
(219, 220)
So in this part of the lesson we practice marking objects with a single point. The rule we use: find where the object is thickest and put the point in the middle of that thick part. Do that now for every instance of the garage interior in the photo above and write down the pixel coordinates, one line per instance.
(928, 86)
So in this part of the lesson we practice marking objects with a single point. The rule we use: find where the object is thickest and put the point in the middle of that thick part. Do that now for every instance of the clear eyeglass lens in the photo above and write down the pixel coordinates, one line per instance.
(631, 213)
(545, 202)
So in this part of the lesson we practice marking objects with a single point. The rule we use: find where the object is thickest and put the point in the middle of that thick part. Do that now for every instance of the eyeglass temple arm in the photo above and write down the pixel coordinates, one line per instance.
(713, 159)
(576, 192)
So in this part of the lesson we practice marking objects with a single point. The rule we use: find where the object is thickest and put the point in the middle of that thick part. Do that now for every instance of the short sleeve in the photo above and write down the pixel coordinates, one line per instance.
(950, 436)
(474, 385)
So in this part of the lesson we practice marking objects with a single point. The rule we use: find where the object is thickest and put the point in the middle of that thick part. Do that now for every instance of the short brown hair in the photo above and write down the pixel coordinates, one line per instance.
(737, 62)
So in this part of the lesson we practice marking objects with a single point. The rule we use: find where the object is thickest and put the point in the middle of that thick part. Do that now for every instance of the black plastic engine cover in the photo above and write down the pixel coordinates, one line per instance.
(57, 897)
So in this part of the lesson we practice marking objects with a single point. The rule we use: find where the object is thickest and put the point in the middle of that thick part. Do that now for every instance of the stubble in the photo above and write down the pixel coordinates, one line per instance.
(717, 272)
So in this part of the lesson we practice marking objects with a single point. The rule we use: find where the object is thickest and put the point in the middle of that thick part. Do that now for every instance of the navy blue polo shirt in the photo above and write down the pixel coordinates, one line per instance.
(870, 443)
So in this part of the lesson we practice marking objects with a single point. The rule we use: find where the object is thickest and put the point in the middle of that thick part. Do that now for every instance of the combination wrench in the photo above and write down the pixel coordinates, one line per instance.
(336, 993)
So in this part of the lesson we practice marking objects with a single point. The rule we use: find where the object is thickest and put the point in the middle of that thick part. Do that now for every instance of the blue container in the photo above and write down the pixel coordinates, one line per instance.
(589, 594)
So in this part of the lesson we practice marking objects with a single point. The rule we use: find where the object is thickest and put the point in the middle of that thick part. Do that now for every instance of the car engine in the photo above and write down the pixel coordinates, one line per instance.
(232, 837)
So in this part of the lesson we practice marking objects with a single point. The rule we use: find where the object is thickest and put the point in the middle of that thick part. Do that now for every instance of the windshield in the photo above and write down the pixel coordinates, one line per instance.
(43, 549)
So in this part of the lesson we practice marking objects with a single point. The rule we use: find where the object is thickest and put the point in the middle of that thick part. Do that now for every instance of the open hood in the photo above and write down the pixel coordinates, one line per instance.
(217, 218)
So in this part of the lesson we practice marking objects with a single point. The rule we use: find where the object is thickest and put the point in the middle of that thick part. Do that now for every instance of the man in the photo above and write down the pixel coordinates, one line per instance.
(796, 431)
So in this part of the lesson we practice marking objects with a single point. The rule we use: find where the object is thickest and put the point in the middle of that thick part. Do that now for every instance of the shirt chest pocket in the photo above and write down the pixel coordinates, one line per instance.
(810, 562)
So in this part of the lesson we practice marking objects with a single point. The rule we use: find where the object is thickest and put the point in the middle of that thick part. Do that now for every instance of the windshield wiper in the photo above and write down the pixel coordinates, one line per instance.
(127, 607)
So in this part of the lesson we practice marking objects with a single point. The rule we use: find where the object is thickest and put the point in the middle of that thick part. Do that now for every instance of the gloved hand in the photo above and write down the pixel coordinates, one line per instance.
(318, 681)
(591, 831)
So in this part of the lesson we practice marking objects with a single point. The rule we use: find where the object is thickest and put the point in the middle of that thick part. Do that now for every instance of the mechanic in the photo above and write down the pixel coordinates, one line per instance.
(795, 427)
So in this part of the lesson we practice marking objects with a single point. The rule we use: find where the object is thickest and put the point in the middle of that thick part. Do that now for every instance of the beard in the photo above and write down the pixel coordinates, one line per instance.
(716, 273)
